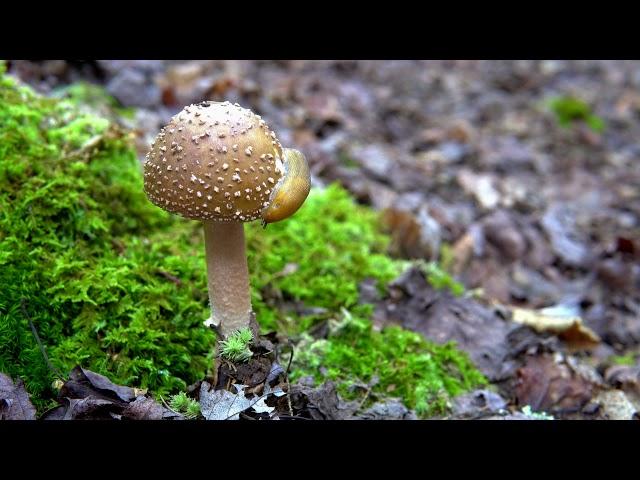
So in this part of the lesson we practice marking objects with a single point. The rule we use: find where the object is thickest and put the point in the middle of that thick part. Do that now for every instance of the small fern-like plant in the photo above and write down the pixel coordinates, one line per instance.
(236, 347)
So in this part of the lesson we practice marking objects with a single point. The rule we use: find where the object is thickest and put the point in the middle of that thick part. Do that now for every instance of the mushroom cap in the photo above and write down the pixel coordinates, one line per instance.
(214, 161)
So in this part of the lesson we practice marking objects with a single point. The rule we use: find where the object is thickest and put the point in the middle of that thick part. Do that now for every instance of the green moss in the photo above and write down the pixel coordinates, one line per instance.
(117, 285)
(425, 375)
(334, 244)
(189, 407)
(628, 359)
(441, 280)
(568, 110)
(236, 347)
(85, 249)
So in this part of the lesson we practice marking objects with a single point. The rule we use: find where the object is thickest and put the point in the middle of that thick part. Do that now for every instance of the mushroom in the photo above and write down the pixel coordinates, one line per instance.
(221, 164)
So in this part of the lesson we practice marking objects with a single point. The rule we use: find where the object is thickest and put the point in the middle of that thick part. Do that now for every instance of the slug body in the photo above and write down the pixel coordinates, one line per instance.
(292, 189)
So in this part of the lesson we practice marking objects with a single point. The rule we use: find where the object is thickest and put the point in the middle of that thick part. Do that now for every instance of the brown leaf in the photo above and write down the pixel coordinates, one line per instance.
(547, 383)
(317, 403)
(614, 325)
(462, 251)
(440, 317)
(478, 404)
(91, 396)
(558, 222)
(143, 408)
(14, 400)
(412, 236)
(392, 409)
(84, 383)
(624, 377)
(504, 234)
(89, 408)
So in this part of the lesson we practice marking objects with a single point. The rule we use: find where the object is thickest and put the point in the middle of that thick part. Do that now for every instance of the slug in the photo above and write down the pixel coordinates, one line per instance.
(291, 190)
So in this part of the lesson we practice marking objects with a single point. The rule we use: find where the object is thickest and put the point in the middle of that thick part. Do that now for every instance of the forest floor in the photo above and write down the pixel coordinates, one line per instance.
(520, 178)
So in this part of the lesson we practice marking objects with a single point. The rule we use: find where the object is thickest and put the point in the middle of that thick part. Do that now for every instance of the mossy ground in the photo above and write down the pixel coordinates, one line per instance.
(117, 285)
(392, 362)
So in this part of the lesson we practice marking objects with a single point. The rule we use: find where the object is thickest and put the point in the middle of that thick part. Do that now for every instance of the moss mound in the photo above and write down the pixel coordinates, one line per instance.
(117, 285)
(84, 251)
(366, 364)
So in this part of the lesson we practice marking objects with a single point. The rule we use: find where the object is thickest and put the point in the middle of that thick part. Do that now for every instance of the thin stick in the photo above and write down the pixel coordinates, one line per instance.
(169, 408)
(286, 376)
(56, 372)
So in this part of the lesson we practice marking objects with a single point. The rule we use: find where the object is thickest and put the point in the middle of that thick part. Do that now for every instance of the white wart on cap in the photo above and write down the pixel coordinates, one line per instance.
(214, 161)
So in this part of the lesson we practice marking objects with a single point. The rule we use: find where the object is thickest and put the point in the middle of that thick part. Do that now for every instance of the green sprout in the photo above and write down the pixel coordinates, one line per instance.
(189, 407)
(193, 410)
(568, 110)
(236, 347)
(245, 335)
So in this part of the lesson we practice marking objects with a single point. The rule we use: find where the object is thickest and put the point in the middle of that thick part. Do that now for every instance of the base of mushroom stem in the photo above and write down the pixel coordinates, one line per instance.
(253, 373)
(215, 325)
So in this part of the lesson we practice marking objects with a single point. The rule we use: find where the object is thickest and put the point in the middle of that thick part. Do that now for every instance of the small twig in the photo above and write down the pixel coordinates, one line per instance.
(293, 417)
(118, 245)
(372, 383)
(86, 147)
(364, 399)
(286, 377)
(290, 360)
(170, 277)
(169, 408)
(55, 371)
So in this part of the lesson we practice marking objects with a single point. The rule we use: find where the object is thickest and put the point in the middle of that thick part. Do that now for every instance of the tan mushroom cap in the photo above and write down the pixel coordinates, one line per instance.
(214, 161)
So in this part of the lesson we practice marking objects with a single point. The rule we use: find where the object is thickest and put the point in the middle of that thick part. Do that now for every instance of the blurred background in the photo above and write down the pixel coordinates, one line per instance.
(520, 177)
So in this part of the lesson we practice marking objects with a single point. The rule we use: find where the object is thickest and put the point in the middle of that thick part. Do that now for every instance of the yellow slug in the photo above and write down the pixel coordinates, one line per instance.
(291, 190)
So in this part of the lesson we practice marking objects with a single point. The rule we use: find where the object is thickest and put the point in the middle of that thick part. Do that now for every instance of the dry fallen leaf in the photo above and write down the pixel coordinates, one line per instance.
(568, 327)
(14, 400)
(549, 383)
(222, 404)
(318, 402)
(225, 405)
(83, 383)
(90, 396)
(439, 316)
(143, 408)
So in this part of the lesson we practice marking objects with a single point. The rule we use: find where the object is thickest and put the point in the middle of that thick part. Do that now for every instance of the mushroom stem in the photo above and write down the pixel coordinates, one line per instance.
(228, 276)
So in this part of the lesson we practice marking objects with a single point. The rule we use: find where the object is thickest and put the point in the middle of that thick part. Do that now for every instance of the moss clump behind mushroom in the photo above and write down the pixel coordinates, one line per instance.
(299, 260)
(118, 286)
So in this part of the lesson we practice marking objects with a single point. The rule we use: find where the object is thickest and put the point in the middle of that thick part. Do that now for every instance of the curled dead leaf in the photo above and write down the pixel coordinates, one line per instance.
(569, 328)
(14, 400)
